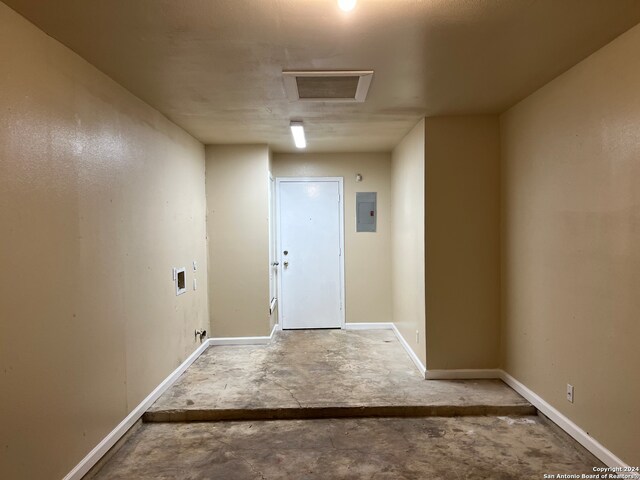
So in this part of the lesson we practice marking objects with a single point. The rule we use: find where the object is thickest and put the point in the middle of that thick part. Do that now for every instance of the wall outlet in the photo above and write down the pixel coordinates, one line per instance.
(417, 336)
(570, 392)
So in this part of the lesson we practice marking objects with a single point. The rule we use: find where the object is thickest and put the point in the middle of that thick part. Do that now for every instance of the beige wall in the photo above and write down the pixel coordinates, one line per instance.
(407, 238)
(100, 196)
(238, 239)
(462, 242)
(367, 255)
(571, 243)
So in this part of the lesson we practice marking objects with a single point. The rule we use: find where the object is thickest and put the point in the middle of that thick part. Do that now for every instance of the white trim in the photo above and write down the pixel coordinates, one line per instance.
(340, 180)
(82, 468)
(278, 250)
(368, 326)
(562, 421)
(582, 437)
(239, 341)
(244, 340)
(409, 350)
(578, 434)
(468, 374)
(428, 374)
(390, 326)
(273, 269)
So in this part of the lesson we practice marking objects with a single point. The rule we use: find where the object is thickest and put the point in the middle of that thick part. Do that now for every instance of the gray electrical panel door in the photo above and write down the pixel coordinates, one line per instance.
(366, 211)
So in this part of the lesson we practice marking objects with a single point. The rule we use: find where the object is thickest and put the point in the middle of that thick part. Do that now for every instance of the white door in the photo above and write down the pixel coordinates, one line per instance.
(310, 252)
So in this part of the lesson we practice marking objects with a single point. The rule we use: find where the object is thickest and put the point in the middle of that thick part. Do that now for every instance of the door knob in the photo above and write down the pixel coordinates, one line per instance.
(275, 264)
(286, 264)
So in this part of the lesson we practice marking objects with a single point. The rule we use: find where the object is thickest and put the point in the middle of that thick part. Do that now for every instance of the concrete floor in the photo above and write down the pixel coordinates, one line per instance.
(323, 373)
(496, 448)
(329, 375)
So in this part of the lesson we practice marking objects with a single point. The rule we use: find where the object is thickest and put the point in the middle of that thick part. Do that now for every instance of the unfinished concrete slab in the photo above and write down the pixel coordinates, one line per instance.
(321, 374)
(496, 448)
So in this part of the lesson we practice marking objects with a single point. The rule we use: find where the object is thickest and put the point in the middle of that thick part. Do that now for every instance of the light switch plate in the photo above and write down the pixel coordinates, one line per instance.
(570, 392)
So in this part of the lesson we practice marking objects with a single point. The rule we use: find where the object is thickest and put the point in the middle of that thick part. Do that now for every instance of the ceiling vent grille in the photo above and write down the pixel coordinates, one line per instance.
(328, 86)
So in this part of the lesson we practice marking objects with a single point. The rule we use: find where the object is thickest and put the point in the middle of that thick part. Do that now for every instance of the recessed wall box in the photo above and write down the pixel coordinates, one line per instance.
(181, 281)
(366, 211)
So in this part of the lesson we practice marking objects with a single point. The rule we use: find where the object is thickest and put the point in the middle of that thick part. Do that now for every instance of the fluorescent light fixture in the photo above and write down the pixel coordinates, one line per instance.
(297, 130)
(347, 5)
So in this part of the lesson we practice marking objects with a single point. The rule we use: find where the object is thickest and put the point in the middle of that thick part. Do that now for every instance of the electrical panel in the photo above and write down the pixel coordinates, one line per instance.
(366, 211)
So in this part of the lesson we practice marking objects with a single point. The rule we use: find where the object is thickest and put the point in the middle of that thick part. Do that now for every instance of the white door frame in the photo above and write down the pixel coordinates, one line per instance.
(340, 180)
(273, 286)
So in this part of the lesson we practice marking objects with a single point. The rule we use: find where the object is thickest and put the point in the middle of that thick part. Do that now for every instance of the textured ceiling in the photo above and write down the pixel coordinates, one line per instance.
(214, 66)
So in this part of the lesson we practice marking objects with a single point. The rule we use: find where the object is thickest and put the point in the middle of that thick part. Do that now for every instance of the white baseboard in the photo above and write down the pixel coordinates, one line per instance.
(389, 326)
(239, 341)
(368, 326)
(110, 440)
(244, 340)
(469, 374)
(409, 350)
(583, 438)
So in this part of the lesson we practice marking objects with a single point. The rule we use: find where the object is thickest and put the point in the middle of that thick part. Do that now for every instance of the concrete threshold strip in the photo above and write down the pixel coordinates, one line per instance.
(309, 413)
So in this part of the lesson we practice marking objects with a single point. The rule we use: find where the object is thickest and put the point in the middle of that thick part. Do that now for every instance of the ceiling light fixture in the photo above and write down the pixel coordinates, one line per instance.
(297, 130)
(347, 5)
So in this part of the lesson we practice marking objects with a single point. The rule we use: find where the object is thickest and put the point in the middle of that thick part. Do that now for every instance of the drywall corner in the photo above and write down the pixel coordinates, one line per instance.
(462, 208)
(408, 239)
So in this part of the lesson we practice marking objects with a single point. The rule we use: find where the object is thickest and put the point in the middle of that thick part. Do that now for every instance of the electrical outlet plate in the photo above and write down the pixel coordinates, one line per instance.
(569, 392)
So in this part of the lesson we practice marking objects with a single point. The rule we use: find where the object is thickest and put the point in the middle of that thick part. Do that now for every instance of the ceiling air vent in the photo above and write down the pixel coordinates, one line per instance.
(327, 86)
